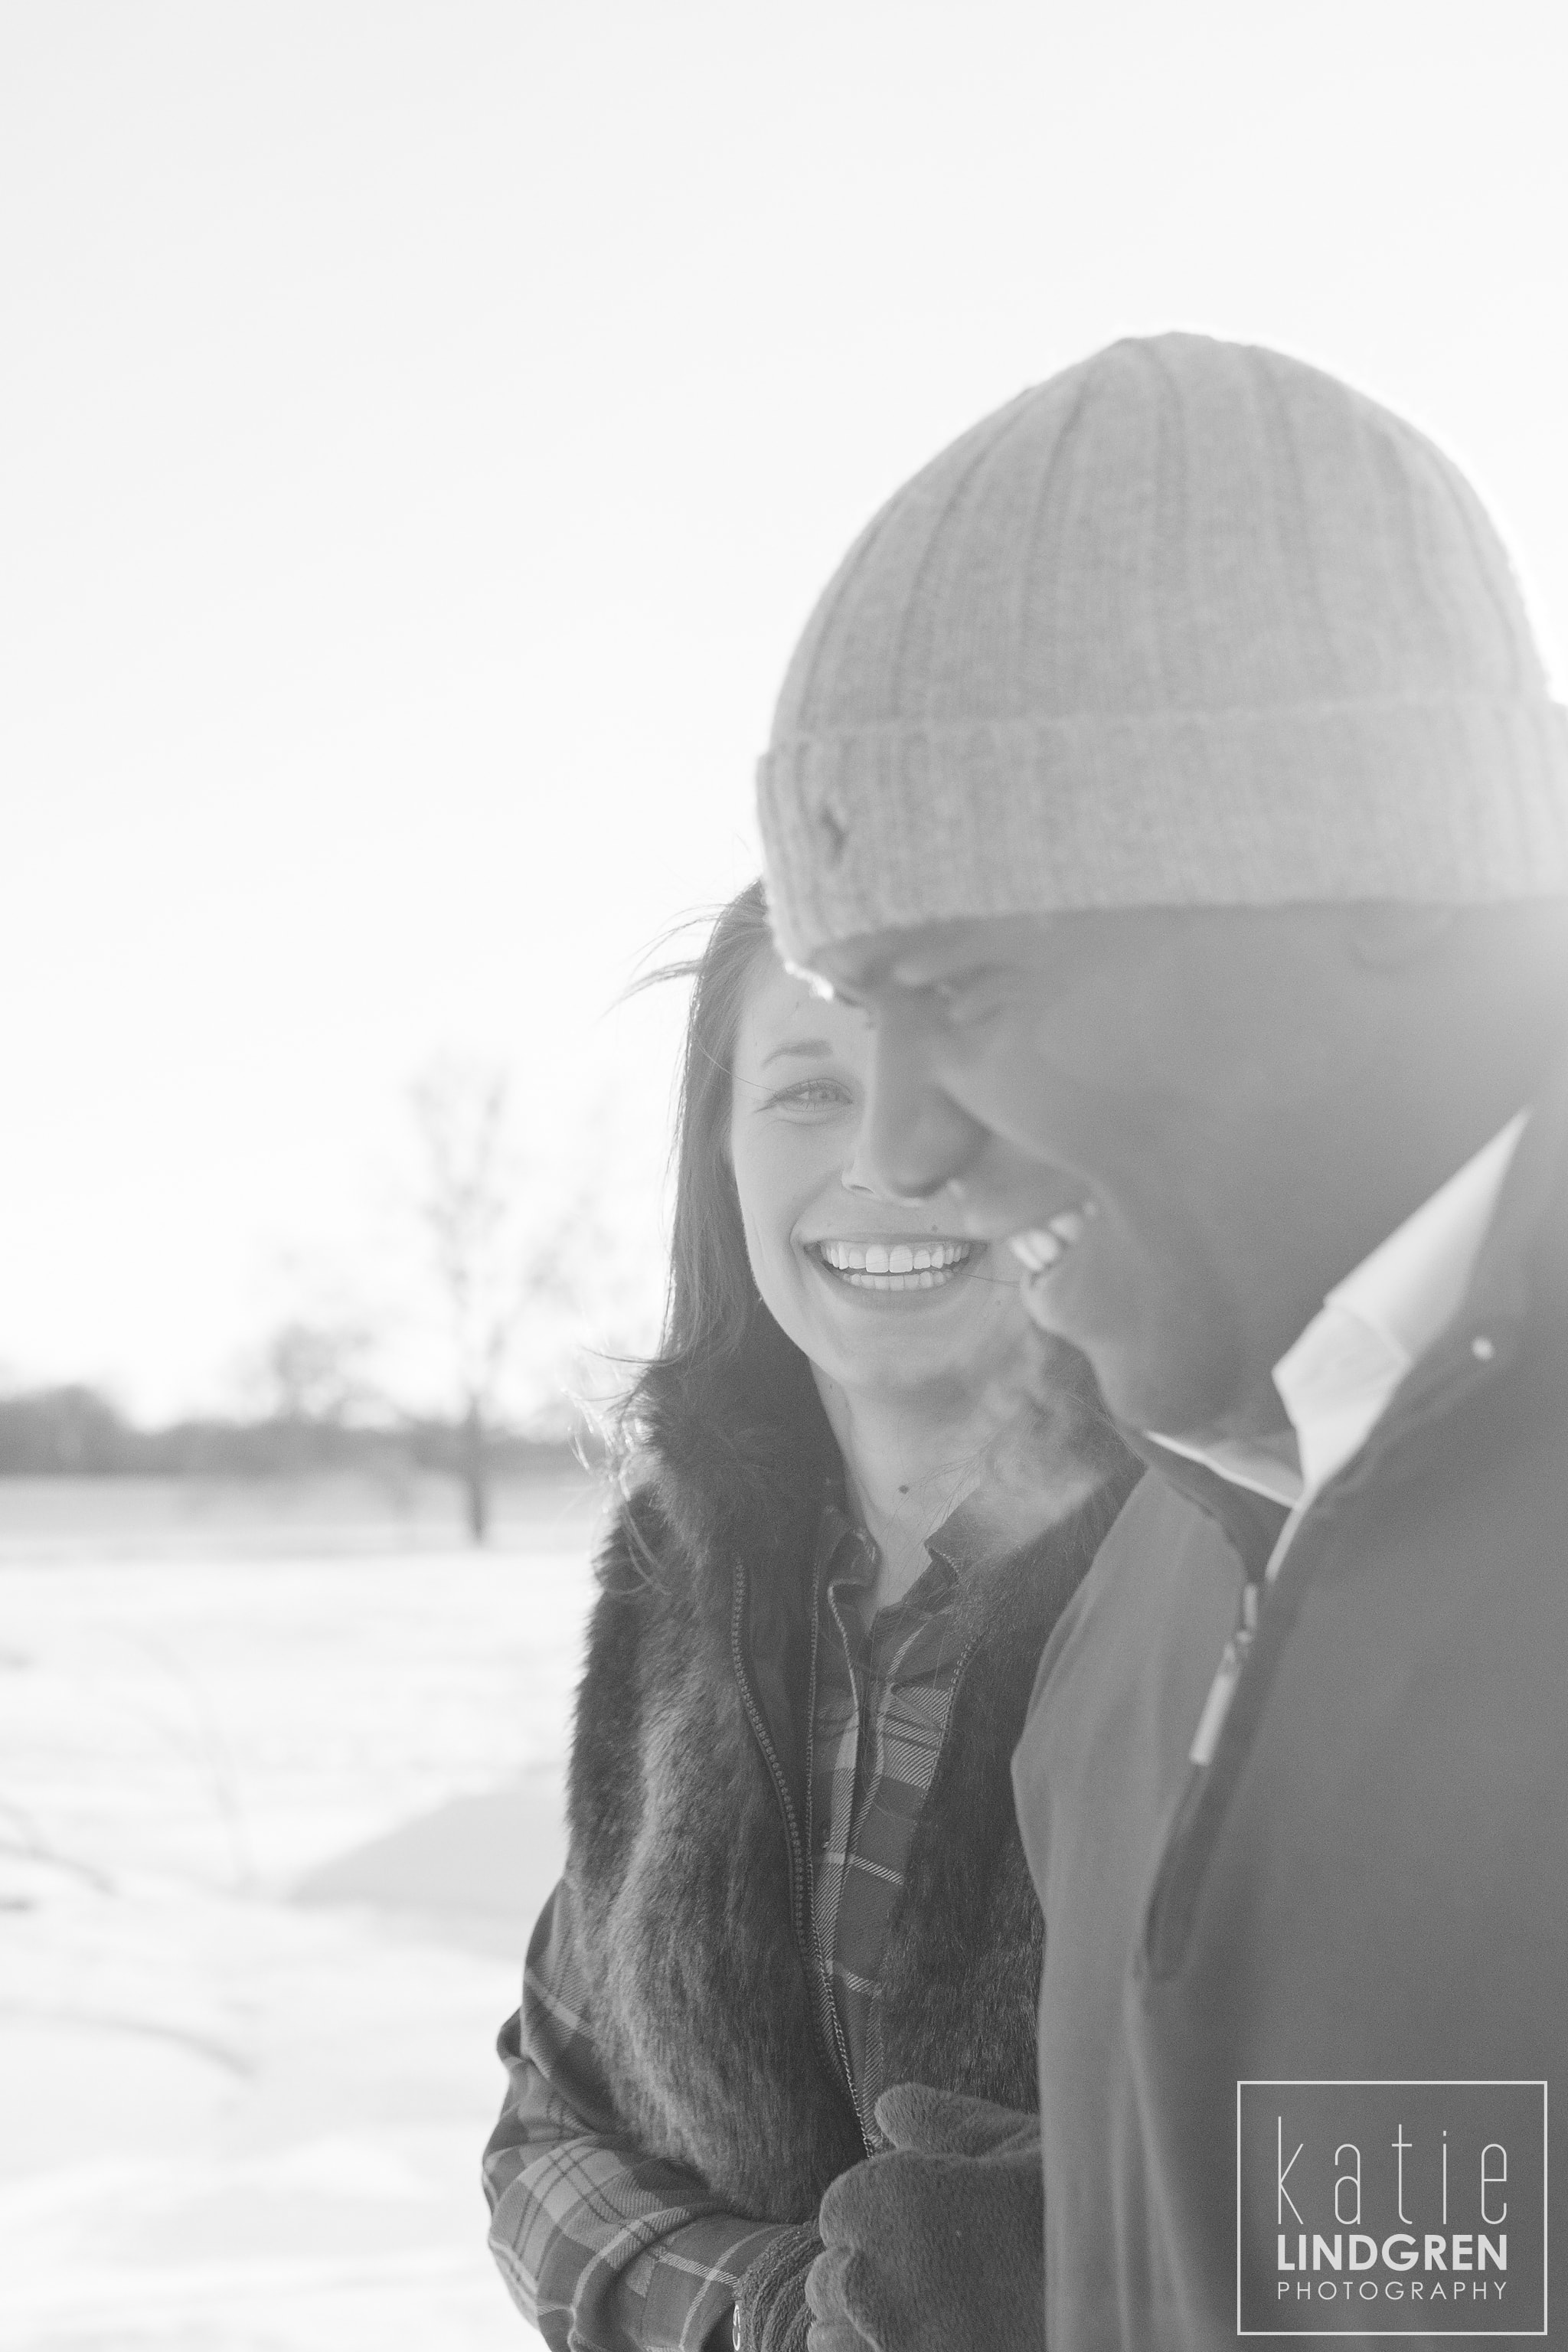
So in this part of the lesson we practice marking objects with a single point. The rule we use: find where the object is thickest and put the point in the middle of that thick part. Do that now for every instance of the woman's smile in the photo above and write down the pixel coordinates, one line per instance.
(881, 1297)
(889, 1266)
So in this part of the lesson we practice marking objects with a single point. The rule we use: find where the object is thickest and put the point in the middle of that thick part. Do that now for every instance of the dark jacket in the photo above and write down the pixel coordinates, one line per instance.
(1369, 1880)
(689, 1874)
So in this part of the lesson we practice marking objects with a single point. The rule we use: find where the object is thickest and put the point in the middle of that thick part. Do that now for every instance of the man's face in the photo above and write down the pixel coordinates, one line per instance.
(1146, 1100)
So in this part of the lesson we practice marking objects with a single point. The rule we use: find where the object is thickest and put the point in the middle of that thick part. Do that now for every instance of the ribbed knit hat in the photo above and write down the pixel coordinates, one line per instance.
(1190, 625)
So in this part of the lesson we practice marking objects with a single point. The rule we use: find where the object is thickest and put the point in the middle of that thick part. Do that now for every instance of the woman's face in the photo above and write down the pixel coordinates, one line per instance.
(876, 1293)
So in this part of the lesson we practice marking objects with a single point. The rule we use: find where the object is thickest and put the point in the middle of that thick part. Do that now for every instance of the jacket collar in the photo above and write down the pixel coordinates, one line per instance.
(1520, 1278)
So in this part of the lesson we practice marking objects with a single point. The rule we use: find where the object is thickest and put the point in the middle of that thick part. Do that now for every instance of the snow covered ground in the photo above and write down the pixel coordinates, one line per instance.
(272, 1830)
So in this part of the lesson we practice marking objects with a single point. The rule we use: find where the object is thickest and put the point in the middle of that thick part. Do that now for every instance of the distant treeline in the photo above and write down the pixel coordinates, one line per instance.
(77, 1431)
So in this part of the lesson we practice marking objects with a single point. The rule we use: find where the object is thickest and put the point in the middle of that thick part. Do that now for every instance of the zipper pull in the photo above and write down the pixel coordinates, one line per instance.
(1222, 1690)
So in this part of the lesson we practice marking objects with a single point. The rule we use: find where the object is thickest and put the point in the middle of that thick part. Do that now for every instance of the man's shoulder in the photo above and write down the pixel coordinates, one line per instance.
(1164, 1569)
(1137, 1646)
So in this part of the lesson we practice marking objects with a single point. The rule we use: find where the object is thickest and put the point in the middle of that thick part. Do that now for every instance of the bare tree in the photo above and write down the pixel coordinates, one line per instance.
(312, 1371)
(497, 1258)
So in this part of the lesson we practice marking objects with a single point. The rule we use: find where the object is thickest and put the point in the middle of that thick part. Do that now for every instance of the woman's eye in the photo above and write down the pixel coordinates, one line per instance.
(810, 1095)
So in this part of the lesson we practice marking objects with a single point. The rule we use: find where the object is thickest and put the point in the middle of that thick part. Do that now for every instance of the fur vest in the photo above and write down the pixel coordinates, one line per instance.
(687, 1868)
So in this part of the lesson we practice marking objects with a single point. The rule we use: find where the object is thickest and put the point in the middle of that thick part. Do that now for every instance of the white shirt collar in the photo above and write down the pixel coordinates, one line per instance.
(1338, 1378)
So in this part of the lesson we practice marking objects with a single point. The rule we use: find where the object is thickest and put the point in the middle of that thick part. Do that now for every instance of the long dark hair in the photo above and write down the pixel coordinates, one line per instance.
(727, 1396)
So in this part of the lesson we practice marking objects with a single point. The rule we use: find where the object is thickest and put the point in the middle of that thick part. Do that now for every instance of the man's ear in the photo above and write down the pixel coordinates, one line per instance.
(1385, 935)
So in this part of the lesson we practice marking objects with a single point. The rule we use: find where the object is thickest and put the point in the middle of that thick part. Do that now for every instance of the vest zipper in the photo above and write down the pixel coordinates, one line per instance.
(824, 1973)
(770, 1756)
(872, 2146)
(798, 1859)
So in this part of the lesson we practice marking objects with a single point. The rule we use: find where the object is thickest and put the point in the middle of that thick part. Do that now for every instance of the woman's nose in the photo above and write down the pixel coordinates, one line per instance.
(915, 1158)
(914, 1139)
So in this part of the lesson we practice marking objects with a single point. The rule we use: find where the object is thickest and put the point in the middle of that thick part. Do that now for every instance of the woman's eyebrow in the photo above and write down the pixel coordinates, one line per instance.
(815, 1047)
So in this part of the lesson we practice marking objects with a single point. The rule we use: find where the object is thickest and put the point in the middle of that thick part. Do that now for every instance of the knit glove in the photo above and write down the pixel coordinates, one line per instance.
(770, 2309)
(938, 2245)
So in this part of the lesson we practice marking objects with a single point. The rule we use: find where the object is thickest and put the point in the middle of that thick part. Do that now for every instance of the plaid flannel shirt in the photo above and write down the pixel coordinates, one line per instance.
(603, 2246)
(883, 1689)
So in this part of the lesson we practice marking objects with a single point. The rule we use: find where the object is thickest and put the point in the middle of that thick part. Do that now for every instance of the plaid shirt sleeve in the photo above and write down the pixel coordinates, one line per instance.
(603, 2247)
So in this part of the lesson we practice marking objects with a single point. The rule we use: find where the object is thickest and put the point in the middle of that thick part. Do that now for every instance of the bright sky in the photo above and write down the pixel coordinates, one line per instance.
(425, 425)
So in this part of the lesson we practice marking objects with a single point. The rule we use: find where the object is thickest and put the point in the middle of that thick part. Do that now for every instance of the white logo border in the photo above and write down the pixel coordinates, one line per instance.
(1401, 2082)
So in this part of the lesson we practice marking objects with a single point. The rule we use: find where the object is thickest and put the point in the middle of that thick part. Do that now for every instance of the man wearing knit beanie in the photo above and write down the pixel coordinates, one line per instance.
(1169, 771)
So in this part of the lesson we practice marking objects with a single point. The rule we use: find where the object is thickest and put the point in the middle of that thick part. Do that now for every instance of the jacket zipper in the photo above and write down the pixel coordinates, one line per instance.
(1222, 1690)
(1179, 1877)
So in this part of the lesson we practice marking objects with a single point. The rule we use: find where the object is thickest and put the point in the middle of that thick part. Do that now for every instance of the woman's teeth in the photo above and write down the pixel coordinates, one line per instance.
(894, 1265)
(1040, 1247)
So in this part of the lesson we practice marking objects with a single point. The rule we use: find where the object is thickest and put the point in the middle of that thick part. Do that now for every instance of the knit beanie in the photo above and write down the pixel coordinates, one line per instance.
(1191, 624)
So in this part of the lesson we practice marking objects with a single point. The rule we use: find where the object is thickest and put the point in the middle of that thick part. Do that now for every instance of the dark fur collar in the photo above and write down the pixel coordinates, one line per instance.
(681, 1869)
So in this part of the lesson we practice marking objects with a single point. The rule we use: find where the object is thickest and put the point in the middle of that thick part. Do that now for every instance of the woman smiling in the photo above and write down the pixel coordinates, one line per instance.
(858, 1489)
